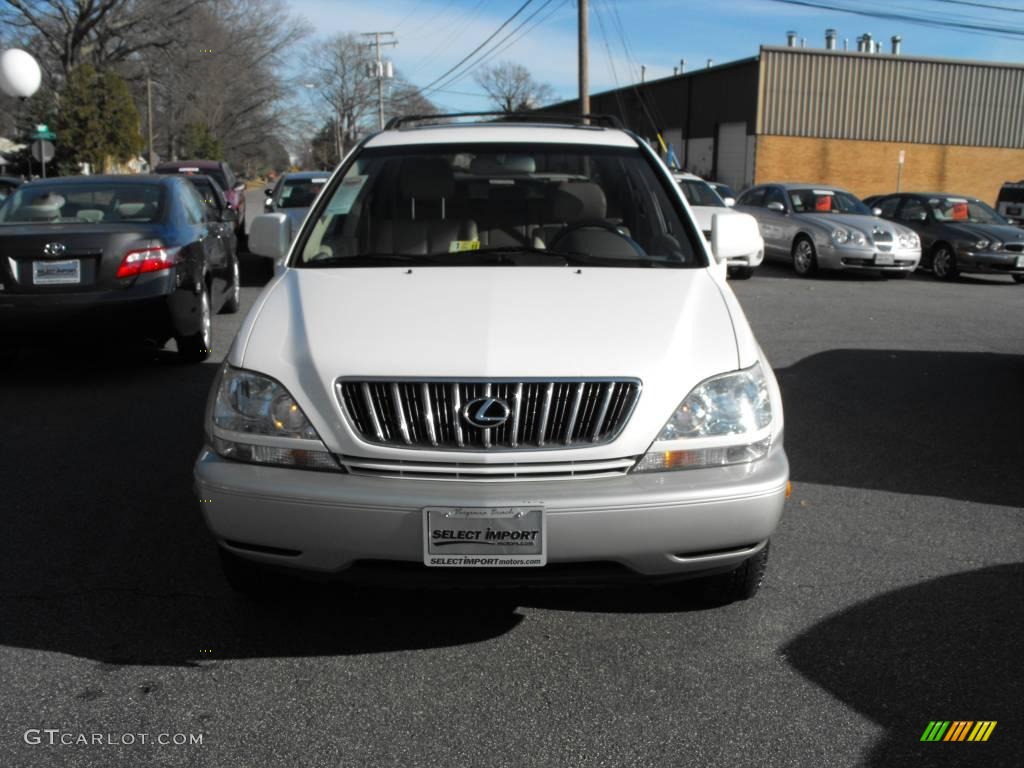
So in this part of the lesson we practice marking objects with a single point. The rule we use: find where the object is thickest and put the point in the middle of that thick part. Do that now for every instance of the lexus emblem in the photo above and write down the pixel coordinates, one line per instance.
(486, 412)
(54, 249)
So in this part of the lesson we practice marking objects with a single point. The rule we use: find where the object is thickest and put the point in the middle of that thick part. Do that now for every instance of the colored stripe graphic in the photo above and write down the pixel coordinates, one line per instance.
(982, 730)
(935, 730)
(958, 731)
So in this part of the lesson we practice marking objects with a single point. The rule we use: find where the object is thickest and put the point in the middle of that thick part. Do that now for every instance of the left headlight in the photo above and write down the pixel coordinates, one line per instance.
(724, 420)
(253, 418)
(909, 240)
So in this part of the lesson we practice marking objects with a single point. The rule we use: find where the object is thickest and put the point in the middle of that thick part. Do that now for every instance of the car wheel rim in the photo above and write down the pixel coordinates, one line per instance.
(803, 256)
(236, 291)
(941, 263)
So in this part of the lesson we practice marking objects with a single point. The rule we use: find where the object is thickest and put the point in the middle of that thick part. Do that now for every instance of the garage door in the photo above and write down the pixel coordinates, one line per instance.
(731, 154)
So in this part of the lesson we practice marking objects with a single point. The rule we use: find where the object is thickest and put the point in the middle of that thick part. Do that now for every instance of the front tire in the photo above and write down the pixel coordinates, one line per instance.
(944, 263)
(741, 273)
(1018, 279)
(805, 257)
(741, 583)
(196, 348)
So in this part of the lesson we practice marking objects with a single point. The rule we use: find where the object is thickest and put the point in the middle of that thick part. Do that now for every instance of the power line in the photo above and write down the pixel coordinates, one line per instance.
(987, 6)
(965, 26)
(472, 53)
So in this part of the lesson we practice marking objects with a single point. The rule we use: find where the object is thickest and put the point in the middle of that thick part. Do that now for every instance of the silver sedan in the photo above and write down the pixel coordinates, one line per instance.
(815, 227)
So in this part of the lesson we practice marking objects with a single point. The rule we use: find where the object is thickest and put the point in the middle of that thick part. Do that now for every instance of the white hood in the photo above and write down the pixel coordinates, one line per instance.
(670, 328)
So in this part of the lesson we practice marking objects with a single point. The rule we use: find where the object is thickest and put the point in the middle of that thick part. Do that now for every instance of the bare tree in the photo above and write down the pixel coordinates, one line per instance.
(512, 87)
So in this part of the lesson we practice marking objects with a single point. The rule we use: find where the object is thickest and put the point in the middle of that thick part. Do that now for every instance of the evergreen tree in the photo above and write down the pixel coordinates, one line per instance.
(199, 143)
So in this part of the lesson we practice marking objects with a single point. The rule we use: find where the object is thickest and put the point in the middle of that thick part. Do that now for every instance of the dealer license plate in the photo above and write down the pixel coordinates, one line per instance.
(884, 259)
(56, 272)
(1020, 262)
(468, 537)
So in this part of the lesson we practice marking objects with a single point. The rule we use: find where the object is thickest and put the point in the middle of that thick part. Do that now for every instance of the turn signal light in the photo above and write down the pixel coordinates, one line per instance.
(147, 260)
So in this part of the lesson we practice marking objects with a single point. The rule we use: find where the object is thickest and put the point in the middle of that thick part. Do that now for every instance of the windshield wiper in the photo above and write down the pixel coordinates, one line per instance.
(370, 260)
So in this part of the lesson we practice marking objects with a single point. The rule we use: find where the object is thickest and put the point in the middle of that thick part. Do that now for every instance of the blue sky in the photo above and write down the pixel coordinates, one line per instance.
(434, 35)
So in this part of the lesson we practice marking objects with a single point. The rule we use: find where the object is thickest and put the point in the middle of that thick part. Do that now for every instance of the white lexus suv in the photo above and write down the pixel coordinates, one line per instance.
(497, 350)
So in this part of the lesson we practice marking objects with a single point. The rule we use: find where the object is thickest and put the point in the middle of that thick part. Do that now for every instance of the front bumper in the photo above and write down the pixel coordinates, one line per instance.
(664, 524)
(753, 259)
(991, 262)
(860, 257)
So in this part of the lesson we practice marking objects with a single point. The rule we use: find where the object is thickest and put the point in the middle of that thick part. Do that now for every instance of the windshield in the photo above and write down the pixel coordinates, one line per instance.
(300, 193)
(960, 210)
(83, 204)
(826, 201)
(489, 204)
(699, 192)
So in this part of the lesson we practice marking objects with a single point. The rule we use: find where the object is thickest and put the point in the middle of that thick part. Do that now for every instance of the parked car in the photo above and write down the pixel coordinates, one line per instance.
(815, 226)
(496, 351)
(958, 234)
(293, 194)
(1010, 203)
(7, 185)
(725, 192)
(125, 256)
(217, 208)
(234, 190)
(705, 202)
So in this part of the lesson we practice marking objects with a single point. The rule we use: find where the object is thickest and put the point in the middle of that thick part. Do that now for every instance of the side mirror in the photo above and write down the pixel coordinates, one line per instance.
(228, 216)
(729, 201)
(876, 211)
(734, 235)
(239, 187)
(270, 236)
(776, 206)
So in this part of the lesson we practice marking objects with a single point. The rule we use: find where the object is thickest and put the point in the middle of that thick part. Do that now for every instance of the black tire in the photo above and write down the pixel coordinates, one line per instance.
(234, 300)
(741, 273)
(741, 583)
(944, 263)
(1018, 279)
(196, 348)
(805, 257)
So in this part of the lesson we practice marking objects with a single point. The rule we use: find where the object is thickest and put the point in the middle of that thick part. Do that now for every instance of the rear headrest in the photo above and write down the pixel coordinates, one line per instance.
(492, 165)
(136, 210)
(578, 201)
(426, 178)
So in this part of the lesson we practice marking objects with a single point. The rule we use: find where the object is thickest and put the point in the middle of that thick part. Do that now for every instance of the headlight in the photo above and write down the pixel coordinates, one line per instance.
(909, 240)
(857, 238)
(253, 418)
(981, 245)
(724, 420)
(995, 245)
(840, 236)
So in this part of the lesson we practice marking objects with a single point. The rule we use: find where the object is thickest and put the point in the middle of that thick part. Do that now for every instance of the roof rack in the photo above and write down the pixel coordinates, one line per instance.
(604, 121)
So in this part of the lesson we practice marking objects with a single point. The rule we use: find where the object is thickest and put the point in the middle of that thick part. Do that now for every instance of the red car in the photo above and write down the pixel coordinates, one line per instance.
(234, 190)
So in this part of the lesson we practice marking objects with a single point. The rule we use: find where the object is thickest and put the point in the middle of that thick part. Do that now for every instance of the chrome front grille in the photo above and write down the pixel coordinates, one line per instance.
(543, 414)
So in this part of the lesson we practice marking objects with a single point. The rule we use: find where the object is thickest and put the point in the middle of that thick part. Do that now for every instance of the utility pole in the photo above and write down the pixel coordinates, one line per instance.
(149, 121)
(380, 72)
(584, 60)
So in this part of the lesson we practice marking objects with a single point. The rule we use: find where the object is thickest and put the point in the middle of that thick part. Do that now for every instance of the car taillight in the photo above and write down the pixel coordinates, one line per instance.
(147, 260)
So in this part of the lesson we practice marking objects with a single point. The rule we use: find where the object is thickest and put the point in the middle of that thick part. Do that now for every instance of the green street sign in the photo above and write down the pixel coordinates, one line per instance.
(43, 132)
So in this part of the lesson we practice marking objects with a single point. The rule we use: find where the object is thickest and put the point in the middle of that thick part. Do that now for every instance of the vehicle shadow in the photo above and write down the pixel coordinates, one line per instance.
(104, 554)
(929, 423)
(254, 271)
(947, 649)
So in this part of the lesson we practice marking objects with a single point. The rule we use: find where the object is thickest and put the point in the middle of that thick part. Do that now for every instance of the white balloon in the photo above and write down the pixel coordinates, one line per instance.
(20, 75)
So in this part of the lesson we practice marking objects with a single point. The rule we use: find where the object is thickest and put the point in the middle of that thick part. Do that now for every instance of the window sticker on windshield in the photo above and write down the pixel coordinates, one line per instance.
(188, 170)
(823, 191)
(319, 181)
(463, 245)
(345, 195)
(823, 203)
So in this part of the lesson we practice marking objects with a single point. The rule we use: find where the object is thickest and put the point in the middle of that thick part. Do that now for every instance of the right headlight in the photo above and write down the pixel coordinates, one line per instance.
(724, 420)
(253, 418)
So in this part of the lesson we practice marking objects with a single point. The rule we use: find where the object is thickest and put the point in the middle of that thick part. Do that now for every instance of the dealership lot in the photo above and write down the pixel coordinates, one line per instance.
(892, 596)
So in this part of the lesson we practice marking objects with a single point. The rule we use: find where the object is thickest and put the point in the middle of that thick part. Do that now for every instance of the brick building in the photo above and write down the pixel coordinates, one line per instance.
(837, 117)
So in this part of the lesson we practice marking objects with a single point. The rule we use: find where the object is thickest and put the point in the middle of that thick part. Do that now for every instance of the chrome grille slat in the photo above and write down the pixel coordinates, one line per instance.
(543, 414)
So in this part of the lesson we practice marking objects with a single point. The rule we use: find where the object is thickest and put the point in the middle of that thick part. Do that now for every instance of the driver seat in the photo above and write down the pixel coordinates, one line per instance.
(571, 203)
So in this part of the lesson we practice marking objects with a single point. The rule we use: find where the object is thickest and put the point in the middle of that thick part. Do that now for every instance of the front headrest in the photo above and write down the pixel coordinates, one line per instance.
(426, 178)
(578, 201)
(494, 165)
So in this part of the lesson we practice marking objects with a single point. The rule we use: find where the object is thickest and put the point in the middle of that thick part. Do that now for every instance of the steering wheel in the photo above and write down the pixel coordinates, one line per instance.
(597, 224)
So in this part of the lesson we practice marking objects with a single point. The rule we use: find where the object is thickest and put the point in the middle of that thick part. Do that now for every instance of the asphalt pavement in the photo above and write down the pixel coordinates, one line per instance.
(893, 596)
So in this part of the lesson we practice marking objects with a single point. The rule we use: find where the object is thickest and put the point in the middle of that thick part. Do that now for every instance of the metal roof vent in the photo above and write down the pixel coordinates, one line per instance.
(791, 38)
(830, 39)
(896, 40)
